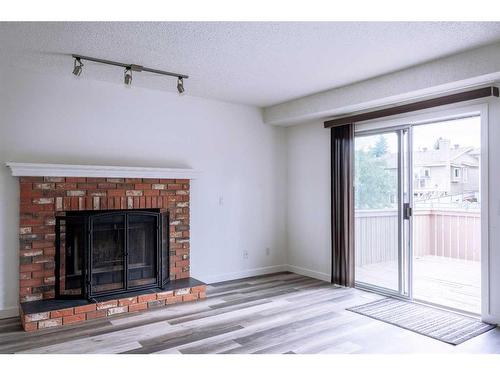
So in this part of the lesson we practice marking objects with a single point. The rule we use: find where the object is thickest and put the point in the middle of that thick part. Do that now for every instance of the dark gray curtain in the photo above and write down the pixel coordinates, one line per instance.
(342, 178)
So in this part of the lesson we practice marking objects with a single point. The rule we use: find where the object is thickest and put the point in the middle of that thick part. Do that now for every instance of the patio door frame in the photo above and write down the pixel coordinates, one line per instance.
(404, 173)
(448, 112)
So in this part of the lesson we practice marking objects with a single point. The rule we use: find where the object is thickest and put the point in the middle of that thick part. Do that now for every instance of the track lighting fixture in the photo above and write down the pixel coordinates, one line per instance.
(78, 66)
(180, 85)
(128, 76)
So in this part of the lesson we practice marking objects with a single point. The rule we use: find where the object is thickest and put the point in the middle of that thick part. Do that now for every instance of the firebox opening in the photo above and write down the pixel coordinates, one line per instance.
(110, 252)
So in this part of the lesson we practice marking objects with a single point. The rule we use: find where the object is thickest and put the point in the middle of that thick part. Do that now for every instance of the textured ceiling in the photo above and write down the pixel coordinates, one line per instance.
(257, 63)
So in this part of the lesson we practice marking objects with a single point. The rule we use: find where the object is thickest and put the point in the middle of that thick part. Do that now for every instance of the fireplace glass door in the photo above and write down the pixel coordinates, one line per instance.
(111, 252)
(142, 245)
(165, 240)
(108, 253)
(71, 239)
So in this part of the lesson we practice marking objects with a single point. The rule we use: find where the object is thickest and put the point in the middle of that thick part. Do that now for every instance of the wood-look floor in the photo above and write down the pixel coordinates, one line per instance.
(279, 313)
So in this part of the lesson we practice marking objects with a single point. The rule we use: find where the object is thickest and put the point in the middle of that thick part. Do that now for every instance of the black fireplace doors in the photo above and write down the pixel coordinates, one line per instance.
(110, 252)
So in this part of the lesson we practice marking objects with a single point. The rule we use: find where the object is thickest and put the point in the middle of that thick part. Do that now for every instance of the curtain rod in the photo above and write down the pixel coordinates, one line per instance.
(411, 107)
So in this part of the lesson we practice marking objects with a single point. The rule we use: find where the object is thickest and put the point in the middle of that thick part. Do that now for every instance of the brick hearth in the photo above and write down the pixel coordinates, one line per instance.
(50, 313)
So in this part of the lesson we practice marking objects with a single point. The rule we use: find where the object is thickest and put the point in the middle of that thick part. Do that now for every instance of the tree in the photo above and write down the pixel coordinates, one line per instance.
(380, 147)
(374, 182)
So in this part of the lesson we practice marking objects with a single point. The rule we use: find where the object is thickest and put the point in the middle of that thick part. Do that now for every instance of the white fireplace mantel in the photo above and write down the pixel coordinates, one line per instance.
(74, 170)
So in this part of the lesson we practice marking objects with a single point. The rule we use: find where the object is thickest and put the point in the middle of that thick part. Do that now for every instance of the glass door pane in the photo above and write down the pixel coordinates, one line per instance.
(108, 255)
(165, 227)
(378, 207)
(142, 241)
(71, 243)
(447, 213)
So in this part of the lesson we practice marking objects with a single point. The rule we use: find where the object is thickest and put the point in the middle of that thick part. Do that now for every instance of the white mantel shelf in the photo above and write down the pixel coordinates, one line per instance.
(73, 170)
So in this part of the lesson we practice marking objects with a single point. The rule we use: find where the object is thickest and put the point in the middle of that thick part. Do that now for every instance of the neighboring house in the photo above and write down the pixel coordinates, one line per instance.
(443, 171)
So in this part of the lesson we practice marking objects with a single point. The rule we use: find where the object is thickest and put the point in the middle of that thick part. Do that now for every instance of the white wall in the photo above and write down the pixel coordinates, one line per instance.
(57, 119)
(308, 210)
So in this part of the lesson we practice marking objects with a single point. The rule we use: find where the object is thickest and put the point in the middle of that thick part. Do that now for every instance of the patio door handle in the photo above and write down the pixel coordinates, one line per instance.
(407, 211)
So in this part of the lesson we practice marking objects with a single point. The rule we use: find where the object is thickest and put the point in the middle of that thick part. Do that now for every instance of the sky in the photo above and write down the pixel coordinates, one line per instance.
(464, 132)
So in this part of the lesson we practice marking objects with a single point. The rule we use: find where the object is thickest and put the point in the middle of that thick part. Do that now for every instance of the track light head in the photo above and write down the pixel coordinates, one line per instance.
(128, 76)
(77, 67)
(180, 85)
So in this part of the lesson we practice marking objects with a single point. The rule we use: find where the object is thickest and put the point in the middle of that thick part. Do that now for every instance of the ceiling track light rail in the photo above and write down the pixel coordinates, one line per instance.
(129, 68)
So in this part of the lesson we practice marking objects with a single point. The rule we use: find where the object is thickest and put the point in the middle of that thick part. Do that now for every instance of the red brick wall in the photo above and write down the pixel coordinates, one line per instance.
(42, 198)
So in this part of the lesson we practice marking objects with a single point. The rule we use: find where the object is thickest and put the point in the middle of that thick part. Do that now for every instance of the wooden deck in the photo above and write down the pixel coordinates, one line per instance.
(444, 281)
(280, 313)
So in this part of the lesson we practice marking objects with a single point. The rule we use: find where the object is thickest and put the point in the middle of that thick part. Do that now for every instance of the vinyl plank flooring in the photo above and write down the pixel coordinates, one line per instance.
(275, 343)
(288, 327)
(266, 287)
(302, 337)
(345, 347)
(252, 323)
(258, 279)
(156, 345)
(277, 313)
(211, 348)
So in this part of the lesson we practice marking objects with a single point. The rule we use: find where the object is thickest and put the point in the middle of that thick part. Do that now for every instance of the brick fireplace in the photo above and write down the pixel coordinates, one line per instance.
(45, 197)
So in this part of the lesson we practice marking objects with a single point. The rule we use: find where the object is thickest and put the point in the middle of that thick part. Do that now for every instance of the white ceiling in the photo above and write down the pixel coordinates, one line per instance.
(257, 63)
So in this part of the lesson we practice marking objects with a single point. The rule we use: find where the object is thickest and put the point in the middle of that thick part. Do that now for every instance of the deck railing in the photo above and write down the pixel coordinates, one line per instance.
(451, 233)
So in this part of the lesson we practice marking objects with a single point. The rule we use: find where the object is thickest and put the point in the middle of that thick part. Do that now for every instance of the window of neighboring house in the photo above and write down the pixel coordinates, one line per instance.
(456, 174)
(464, 174)
(422, 183)
(427, 172)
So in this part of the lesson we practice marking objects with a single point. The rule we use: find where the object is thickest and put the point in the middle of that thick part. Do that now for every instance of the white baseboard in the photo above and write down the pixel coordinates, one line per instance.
(9, 312)
(310, 273)
(242, 274)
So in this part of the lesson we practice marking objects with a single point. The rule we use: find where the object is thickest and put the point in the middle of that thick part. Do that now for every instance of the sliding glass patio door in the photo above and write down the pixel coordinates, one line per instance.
(418, 197)
(382, 210)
